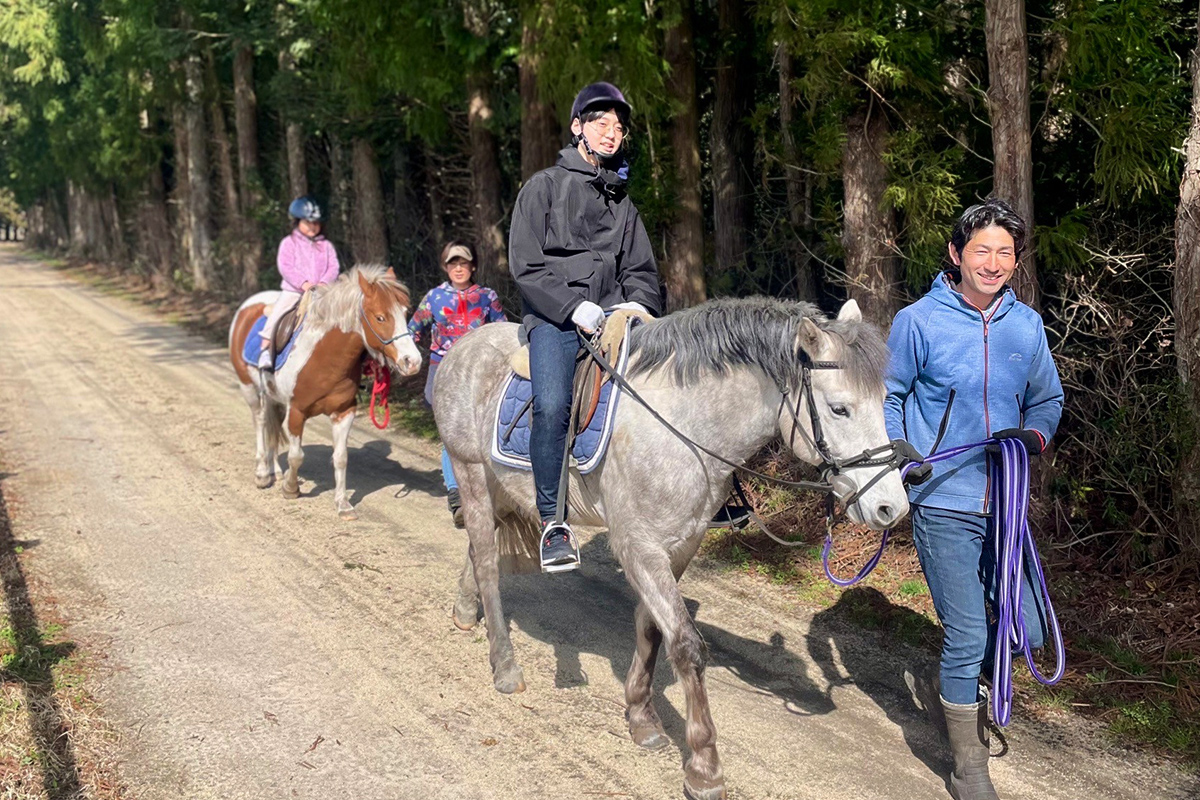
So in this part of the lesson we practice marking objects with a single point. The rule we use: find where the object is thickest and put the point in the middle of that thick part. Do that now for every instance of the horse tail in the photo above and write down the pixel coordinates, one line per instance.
(273, 417)
(517, 543)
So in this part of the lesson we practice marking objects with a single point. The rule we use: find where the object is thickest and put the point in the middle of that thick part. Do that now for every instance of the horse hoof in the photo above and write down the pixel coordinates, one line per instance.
(702, 789)
(290, 494)
(649, 737)
(264, 481)
(510, 681)
(349, 515)
(465, 619)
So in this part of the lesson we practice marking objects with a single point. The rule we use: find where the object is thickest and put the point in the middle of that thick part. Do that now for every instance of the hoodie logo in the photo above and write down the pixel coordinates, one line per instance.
(1015, 357)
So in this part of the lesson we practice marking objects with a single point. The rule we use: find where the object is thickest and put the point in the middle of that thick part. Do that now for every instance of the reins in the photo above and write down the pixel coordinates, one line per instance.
(830, 465)
(379, 373)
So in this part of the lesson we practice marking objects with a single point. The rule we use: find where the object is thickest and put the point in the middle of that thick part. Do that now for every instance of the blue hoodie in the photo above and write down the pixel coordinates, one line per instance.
(973, 372)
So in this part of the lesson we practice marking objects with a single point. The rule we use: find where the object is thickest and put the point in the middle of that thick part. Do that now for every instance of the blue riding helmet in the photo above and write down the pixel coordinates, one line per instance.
(305, 208)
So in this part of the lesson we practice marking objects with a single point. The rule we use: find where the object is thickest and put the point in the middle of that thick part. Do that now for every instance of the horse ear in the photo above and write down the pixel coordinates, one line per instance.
(850, 312)
(391, 273)
(810, 338)
(364, 284)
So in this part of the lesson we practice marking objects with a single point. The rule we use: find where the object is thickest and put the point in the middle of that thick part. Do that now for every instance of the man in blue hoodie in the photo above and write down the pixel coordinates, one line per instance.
(969, 361)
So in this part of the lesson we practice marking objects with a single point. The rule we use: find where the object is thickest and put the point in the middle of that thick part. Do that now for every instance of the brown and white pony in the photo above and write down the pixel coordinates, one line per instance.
(361, 315)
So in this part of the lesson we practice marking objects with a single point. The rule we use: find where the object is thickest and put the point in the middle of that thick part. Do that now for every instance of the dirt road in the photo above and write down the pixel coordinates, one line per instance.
(260, 648)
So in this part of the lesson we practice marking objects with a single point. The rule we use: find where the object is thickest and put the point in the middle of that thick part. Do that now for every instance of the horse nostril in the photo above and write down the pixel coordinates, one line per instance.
(886, 513)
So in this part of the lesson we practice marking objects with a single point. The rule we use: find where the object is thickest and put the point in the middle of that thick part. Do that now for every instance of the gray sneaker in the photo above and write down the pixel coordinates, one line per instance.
(560, 552)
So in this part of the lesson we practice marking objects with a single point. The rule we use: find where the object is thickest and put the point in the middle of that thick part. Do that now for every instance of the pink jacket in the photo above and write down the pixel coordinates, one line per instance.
(302, 259)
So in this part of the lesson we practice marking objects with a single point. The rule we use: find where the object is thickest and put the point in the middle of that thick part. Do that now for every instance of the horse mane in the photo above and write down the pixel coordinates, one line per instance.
(753, 331)
(338, 304)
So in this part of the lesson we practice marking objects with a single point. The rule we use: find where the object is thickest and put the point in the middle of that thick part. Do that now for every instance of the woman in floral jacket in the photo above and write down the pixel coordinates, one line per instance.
(447, 313)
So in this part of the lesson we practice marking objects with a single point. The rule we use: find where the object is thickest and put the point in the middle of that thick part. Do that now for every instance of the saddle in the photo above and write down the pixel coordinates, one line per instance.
(589, 376)
(289, 322)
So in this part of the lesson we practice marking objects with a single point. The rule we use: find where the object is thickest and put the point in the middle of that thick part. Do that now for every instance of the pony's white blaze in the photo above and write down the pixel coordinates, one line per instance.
(403, 352)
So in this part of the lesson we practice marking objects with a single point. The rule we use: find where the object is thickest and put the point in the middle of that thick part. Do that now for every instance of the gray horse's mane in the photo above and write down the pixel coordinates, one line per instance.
(753, 331)
(338, 304)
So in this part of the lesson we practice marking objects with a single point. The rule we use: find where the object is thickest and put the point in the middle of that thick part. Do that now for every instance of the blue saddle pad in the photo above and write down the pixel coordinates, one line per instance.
(253, 347)
(510, 440)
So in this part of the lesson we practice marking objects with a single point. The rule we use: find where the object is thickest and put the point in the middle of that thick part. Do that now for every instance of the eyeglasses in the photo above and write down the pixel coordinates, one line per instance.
(603, 128)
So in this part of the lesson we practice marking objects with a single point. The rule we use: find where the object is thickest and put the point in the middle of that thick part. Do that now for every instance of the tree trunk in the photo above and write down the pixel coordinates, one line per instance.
(869, 235)
(541, 134)
(245, 111)
(730, 138)
(223, 150)
(683, 269)
(294, 144)
(200, 255)
(1008, 106)
(179, 191)
(437, 219)
(487, 212)
(111, 228)
(798, 198)
(340, 194)
(1186, 300)
(369, 242)
(154, 230)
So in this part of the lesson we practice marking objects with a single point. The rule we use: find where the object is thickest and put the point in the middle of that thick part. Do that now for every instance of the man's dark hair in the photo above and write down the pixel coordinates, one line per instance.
(992, 211)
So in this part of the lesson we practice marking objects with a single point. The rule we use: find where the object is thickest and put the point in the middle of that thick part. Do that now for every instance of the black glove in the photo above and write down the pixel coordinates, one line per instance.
(1031, 440)
(910, 455)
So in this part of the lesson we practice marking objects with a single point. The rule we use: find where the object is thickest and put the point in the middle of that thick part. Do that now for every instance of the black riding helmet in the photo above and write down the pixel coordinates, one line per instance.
(600, 95)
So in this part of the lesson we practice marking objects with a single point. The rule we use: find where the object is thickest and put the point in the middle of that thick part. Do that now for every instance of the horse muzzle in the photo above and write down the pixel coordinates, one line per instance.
(876, 508)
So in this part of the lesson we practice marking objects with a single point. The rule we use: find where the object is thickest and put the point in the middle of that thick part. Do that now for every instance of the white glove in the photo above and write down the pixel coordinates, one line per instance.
(632, 306)
(589, 316)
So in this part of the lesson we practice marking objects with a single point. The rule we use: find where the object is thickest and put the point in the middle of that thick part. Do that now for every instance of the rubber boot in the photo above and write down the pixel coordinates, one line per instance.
(967, 728)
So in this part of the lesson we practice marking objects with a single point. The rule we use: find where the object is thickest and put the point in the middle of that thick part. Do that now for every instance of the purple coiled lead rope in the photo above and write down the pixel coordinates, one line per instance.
(1014, 543)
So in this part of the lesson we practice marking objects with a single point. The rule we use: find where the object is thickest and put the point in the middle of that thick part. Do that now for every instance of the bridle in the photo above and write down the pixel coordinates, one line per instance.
(884, 456)
(362, 312)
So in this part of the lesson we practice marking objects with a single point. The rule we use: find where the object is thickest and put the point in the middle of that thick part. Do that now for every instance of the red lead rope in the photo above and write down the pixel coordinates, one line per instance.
(382, 378)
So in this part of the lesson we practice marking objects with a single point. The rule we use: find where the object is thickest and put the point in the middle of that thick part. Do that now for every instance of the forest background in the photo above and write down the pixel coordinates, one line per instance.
(815, 149)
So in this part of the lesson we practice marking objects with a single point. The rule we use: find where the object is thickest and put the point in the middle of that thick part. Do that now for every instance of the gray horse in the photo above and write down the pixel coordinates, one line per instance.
(717, 372)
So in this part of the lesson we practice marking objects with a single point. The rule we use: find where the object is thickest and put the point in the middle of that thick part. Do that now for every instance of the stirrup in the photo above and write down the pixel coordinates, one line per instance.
(730, 515)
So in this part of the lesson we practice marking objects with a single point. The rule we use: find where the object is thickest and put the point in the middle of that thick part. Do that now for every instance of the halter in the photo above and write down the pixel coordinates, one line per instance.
(362, 312)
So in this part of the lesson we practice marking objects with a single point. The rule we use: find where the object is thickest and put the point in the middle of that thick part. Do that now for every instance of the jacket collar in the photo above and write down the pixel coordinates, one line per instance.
(609, 178)
(945, 293)
(320, 237)
(449, 287)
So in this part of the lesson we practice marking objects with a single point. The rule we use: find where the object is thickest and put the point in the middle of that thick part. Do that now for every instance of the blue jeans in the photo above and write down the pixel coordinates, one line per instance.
(447, 470)
(958, 556)
(552, 370)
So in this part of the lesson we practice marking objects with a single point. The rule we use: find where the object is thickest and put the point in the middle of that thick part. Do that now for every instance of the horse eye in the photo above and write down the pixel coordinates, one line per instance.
(379, 317)
(840, 410)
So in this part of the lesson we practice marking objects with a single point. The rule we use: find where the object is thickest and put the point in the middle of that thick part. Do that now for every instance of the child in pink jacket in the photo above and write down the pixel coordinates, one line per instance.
(306, 259)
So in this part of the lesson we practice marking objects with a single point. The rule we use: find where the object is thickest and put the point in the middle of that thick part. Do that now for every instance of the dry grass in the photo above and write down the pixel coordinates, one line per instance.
(54, 741)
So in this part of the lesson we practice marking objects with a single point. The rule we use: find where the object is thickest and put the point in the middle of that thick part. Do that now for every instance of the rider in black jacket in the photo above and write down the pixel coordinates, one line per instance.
(576, 248)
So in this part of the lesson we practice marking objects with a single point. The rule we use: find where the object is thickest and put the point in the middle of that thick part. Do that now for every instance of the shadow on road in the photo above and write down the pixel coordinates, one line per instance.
(31, 668)
(846, 642)
(591, 612)
(369, 469)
